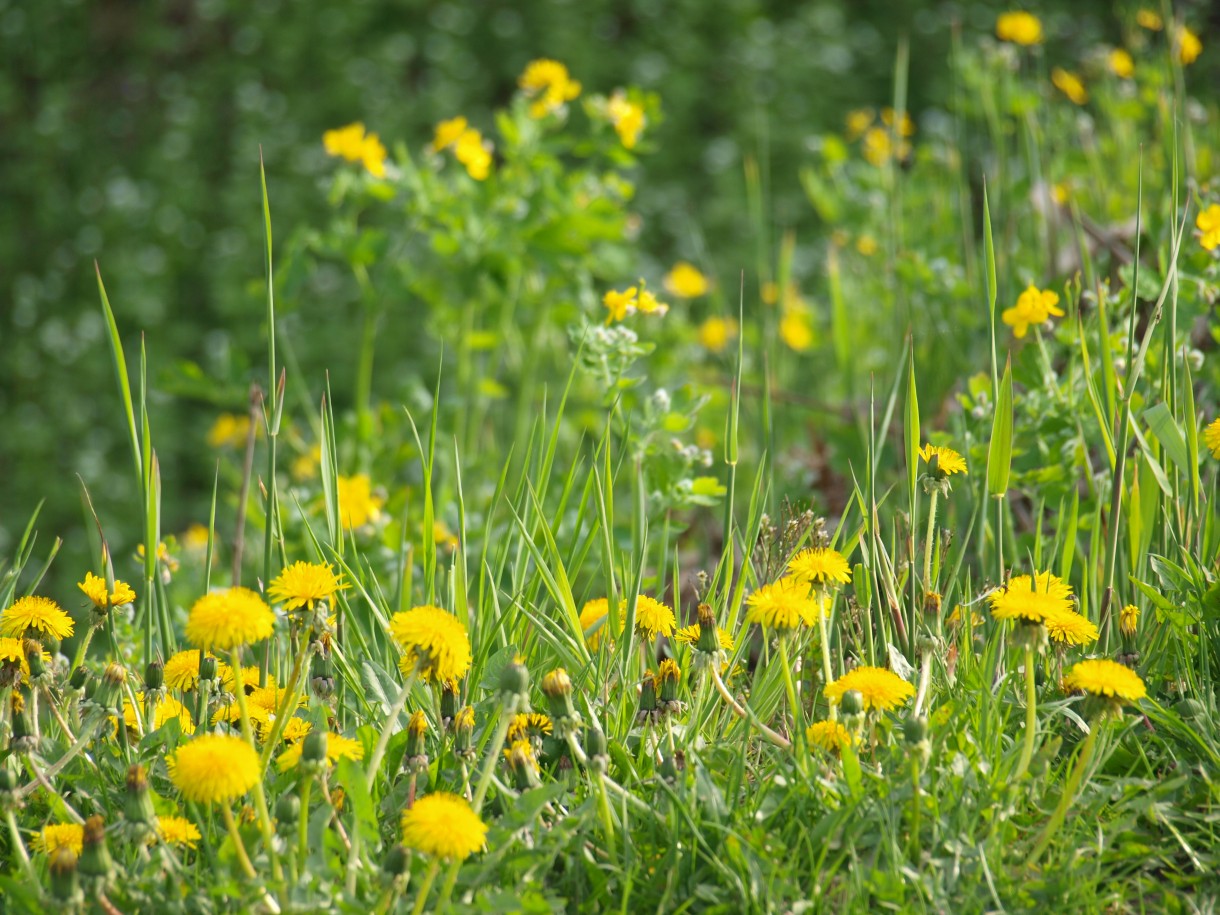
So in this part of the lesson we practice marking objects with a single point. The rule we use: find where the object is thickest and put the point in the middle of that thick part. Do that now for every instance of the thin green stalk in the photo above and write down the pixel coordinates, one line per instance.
(928, 584)
(794, 704)
(1031, 714)
(1069, 793)
(23, 857)
(306, 787)
(745, 712)
(260, 796)
(434, 865)
(387, 729)
(243, 858)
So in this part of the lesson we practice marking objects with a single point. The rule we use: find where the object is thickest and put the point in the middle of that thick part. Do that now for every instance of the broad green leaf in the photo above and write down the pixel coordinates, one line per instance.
(999, 452)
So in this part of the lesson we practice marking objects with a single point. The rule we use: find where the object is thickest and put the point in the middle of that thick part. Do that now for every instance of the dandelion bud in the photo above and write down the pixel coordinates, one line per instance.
(449, 701)
(463, 731)
(8, 780)
(557, 686)
(596, 749)
(515, 679)
(322, 676)
(138, 808)
(23, 737)
(915, 729)
(416, 755)
(313, 751)
(80, 676)
(396, 862)
(33, 657)
(95, 860)
(931, 604)
(207, 669)
(672, 765)
(111, 687)
(288, 810)
(852, 702)
(709, 640)
(154, 676)
(669, 676)
(62, 867)
(648, 698)
(523, 764)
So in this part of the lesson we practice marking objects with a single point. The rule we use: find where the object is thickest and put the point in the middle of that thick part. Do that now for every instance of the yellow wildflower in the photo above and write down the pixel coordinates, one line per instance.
(685, 281)
(1189, 46)
(858, 121)
(1129, 620)
(1208, 224)
(94, 587)
(627, 118)
(1105, 678)
(1121, 63)
(948, 461)
(1150, 20)
(1019, 27)
(1034, 306)
(35, 618)
(715, 333)
(358, 505)
(796, 330)
(443, 826)
(882, 689)
(1070, 85)
(473, 153)
(214, 767)
(548, 83)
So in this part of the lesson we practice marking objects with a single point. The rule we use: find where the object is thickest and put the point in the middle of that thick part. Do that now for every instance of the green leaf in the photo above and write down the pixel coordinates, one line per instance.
(1165, 429)
(912, 424)
(999, 452)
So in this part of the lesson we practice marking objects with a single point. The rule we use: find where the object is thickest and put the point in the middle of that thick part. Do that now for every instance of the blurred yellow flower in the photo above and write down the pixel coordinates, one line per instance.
(1208, 223)
(1189, 46)
(1121, 63)
(1211, 437)
(715, 333)
(906, 127)
(1019, 27)
(447, 133)
(685, 281)
(881, 689)
(858, 121)
(796, 330)
(358, 505)
(1034, 306)
(948, 461)
(229, 431)
(1105, 678)
(473, 152)
(627, 118)
(195, 538)
(1070, 85)
(1150, 20)
(866, 245)
(548, 83)
(354, 145)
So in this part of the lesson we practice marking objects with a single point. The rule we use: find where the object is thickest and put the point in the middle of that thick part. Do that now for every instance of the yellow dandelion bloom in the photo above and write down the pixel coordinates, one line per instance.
(593, 613)
(1150, 20)
(434, 639)
(857, 122)
(627, 117)
(214, 767)
(178, 831)
(472, 151)
(882, 689)
(228, 619)
(529, 724)
(685, 281)
(35, 617)
(1069, 627)
(820, 566)
(548, 83)
(166, 710)
(689, 635)
(1034, 306)
(1019, 27)
(303, 584)
(94, 588)
(783, 605)
(715, 333)
(796, 330)
(1070, 85)
(1020, 600)
(1211, 437)
(1044, 582)
(1189, 46)
(230, 713)
(296, 729)
(1208, 224)
(230, 430)
(337, 747)
(59, 835)
(653, 618)
(1129, 620)
(948, 461)
(1102, 677)
(269, 698)
(443, 826)
(1121, 63)
(357, 504)
(829, 736)
(181, 671)
(448, 132)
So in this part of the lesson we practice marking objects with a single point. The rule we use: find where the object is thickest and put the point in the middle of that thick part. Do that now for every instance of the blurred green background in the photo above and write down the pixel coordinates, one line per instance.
(130, 134)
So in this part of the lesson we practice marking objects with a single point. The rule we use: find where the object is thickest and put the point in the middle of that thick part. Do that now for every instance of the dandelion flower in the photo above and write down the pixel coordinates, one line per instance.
(828, 735)
(230, 713)
(1109, 679)
(796, 330)
(820, 565)
(303, 584)
(715, 333)
(229, 619)
(230, 429)
(214, 767)
(653, 618)
(1069, 627)
(1019, 27)
(627, 117)
(548, 83)
(166, 710)
(1189, 46)
(1129, 620)
(337, 747)
(35, 617)
(1034, 306)
(1070, 85)
(591, 615)
(178, 831)
(685, 281)
(434, 639)
(1208, 224)
(447, 133)
(528, 724)
(783, 605)
(689, 635)
(1044, 582)
(94, 587)
(1150, 20)
(1121, 63)
(181, 671)
(60, 835)
(296, 729)
(444, 826)
(1019, 602)
(882, 689)
(357, 504)
(948, 461)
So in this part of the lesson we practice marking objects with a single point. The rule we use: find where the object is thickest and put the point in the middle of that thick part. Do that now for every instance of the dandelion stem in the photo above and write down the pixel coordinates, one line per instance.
(827, 670)
(493, 754)
(23, 856)
(287, 704)
(1069, 793)
(243, 858)
(426, 887)
(793, 703)
(1031, 714)
(383, 740)
(303, 821)
(744, 712)
(260, 797)
(928, 584)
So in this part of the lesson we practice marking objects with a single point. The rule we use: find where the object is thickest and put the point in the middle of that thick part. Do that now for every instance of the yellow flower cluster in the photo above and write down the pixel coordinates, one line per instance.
(1034, 306)
(549, 85)
(685, 281)
(358, 505)
(94, 588)
(468, 146)
(1070, 85)
(354, 145)
(629, 301)
(627, 117)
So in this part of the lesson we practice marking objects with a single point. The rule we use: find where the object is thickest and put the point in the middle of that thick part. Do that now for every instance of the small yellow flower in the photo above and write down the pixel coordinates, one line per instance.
(354, 145)
(35, 617)
(689, 635)
(1020, 28)
(627, 117)
(214, 767)
(473, 152)
(443, 826)
(59, 835)
(648, 303)
(653, 618)
(1150, 20)
(948, 461)
(906, 127)
(448, 132)
(715, 333)
(1019, 601)
(796, 330)
(529, 724)
(1070, 85)
(305, 465)
(1069, 627)
(548, 83)
(882, 689)
(629, 301)
(1211, 437)
(94, 587)
(178, 831)
(358, 505)
(195, 538)
(166, 710)
(1121, 63)
(1208, 224)
(1034, 306)
(879, 147)
(821, 566)
(163, 556)
(303, 584)
(593, 613)
(433, 638)
(867, 245)
(228, 619)
(685, 281)
(783, 605)
(829, 736)
(1109, 679)
(858, 121)
(296, 729)
(1189, 46)
(337, 747)
(229, 431)
(1129, 620)
(373, 155)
